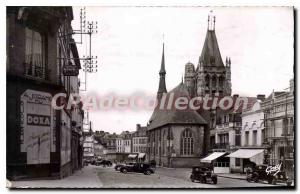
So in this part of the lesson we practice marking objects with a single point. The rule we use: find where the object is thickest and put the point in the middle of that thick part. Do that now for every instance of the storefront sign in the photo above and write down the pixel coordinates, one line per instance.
(36, 126)
(70, 70)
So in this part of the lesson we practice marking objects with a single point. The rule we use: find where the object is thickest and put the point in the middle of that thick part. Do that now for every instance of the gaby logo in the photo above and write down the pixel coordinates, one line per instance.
(273, 169)
(41, 120)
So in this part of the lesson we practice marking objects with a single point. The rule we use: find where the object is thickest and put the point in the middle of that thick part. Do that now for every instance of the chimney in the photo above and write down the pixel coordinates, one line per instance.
(138, 127)
(261, 97)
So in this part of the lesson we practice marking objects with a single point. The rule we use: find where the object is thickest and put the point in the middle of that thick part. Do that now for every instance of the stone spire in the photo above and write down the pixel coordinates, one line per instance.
(211, 55)
(162, 73)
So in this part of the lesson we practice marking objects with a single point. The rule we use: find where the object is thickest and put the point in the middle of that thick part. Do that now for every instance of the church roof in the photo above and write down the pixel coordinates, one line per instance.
(211, 53)
(161, 117)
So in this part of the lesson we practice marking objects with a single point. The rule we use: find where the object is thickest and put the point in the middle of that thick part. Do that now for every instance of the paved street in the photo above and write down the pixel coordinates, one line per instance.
(165, 178)
(99, 177)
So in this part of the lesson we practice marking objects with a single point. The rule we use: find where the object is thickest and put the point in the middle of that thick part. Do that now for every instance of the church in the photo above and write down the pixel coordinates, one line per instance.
(179, 138)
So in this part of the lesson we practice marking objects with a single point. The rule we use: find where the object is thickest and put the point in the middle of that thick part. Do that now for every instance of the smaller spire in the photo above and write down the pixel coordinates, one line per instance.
(162, 68)
(208, 22)
(229, 61)
(182, 78)
(226, 60)
(211, 21)
(214, 22)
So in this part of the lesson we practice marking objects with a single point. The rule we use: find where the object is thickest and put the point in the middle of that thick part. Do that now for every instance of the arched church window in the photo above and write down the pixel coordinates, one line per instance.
(207, 80)
(221, 82)
(187, 142)
(214, 81)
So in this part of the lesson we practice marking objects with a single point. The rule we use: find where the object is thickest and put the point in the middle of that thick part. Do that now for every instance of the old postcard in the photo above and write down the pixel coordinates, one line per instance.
(150, 97)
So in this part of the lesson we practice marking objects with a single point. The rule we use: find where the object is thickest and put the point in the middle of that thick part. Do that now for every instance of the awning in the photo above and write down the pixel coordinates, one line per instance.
(212, 157)
(141, 155)
(245, 153)
(132, 156)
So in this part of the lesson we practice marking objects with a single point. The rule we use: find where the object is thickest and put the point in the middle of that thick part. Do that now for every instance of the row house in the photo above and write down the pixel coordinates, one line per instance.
(41, 141)
(251, 151)
(140, 141)
(225, 136)
(89, 145)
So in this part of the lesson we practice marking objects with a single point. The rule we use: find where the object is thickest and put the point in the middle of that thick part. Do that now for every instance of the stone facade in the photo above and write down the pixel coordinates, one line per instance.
(280, 127)
(34, 76)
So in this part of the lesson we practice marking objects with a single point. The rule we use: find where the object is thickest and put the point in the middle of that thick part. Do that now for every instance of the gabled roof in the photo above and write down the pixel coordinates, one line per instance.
(211, 51)
(161, 117)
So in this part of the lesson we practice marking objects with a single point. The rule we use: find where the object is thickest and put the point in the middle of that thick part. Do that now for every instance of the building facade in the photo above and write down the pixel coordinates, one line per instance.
(140, 140)
(279, 128)
(251, 150)
(40, 139)
(88, 146)
(252, 134)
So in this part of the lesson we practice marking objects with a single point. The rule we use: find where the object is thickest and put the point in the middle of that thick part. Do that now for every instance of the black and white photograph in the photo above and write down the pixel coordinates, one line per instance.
(142, 97)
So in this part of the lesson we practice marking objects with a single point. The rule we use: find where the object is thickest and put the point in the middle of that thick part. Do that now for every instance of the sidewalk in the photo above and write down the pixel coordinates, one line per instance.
(233, 176)
(85, 178)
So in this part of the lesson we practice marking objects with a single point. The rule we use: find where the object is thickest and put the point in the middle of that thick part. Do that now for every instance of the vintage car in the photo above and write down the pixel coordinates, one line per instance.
(271, 174)
(118, 166)
(137, 167)
(203, 175)
(93, 161)
(103, 163)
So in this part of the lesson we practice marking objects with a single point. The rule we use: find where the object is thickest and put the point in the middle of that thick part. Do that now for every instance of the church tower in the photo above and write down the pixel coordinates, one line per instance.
(212, 77)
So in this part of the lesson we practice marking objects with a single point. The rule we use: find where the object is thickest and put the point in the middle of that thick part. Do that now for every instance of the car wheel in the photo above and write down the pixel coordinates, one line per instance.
(215, 181)
(269, 180)
(274, 181)
(147, 172)
(248, 178)
(124, 171)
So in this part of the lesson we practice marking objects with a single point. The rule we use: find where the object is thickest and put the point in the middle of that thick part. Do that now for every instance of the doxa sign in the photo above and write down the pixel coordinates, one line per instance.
(41, 120)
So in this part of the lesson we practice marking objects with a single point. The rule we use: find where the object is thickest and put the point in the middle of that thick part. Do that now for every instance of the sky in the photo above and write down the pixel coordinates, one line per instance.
(129, 41)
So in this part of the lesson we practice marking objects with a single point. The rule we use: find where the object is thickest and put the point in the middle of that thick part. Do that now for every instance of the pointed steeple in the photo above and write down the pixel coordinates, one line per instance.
(210, 55)
(162, 67)
(162, 73)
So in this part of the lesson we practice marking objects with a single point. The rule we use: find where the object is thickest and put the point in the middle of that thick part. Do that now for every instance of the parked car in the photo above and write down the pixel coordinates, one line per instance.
(93, 161)
(86, 161)
(137, 167)
(203, 175)
(98, 162)
(271, 174)
(118, 166)
(104, 163)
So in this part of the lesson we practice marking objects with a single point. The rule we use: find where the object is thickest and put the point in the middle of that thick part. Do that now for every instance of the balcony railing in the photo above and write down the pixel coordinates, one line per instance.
(220, 146)
(36, 71)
